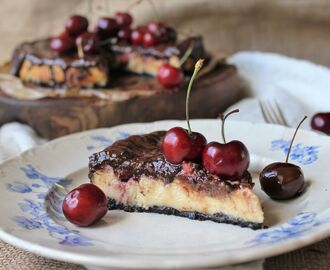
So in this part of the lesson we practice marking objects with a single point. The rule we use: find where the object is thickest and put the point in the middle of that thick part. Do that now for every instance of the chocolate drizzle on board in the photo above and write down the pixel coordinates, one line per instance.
(141, 155)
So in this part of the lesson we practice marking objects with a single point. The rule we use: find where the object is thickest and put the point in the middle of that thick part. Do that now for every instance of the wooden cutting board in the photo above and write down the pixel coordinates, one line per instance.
(55, 117)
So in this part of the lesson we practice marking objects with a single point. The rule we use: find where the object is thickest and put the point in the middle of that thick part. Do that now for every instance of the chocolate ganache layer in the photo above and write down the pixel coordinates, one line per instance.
(142, 155)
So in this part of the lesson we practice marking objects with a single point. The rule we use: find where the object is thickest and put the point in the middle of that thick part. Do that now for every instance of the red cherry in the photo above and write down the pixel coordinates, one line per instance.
(89, 42)
(124, 34)
(62, 43)
(157, 28)
(123, 18)
(283, 180)
(169, 76)
(150, 39)
(107, 27)
(321, 122)
(137, 37)
(178, 145)
(228, 160)
(85, 205)
(76, 25)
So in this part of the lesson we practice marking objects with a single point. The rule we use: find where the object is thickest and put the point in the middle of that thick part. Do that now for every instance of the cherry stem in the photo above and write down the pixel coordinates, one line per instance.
(154, 9)
(80, 49)
(223, 119)
(198, 66)
(186, 55)
(133, 5)
(294, 136)
(90, 7)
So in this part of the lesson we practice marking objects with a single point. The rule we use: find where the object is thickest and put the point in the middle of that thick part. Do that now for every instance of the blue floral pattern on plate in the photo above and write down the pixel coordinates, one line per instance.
(34, 214)
(302, 154)
(302, 223)
(103, 141)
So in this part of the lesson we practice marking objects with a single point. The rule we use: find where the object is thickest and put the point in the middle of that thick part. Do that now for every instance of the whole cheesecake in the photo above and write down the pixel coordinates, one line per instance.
(136, 177)
(61, 93)
(35, 62)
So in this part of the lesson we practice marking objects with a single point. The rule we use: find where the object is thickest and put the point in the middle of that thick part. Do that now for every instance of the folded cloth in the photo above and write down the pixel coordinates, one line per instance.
(299, 87)
(16, 138)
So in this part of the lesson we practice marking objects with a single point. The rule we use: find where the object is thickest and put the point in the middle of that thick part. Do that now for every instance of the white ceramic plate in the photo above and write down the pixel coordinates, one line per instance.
(31, 217)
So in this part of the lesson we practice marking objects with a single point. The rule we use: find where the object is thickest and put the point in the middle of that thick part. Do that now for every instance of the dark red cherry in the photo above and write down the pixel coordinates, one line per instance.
(178, 145)
(169, 76)
(282, 180)
(124, 34)
(89, 42)
(62, 43)
(123, 18)
(170, 35)
(85, 205)
(229, 160)
(157, 28)
(150, 39)
(321, 122)
(137, 36)
(107, 27)
(76, 25)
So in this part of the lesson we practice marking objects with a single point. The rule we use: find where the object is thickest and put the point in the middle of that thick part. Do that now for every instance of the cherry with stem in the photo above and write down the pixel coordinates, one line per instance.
(283, 180)
(180, 144)
(226, 160)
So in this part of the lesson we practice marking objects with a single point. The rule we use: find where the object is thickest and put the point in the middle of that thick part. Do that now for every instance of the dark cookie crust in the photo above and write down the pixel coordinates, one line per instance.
(218, 217)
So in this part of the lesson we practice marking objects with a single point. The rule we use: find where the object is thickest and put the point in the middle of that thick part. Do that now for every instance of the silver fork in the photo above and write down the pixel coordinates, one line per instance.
(272, 112)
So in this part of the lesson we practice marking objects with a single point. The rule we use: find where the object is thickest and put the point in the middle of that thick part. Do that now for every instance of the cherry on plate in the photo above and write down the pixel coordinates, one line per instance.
(321, 122)
(85, 205)
(62, 43)
(76, 25)
(283, 180)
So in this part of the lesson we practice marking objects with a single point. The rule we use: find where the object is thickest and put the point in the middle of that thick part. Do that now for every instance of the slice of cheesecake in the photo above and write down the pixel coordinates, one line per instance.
(135, 176)
(34, 62)
(148, 60)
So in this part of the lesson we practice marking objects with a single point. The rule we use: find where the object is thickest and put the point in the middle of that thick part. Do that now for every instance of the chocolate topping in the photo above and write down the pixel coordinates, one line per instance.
(165, 50)
(38, 52)
(142, 155)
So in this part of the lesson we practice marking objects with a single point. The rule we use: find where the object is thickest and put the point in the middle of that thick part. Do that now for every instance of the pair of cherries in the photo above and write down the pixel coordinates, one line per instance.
(228, 160)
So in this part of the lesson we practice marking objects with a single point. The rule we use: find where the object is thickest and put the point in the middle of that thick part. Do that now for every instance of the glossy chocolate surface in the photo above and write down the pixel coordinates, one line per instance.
(282, 180)
(142, 155)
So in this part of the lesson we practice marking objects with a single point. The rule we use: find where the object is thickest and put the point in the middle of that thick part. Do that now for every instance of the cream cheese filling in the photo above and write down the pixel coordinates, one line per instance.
(241, 203)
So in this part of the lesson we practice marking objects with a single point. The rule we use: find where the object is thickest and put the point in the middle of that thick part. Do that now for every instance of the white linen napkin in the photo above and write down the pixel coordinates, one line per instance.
(298, 86)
